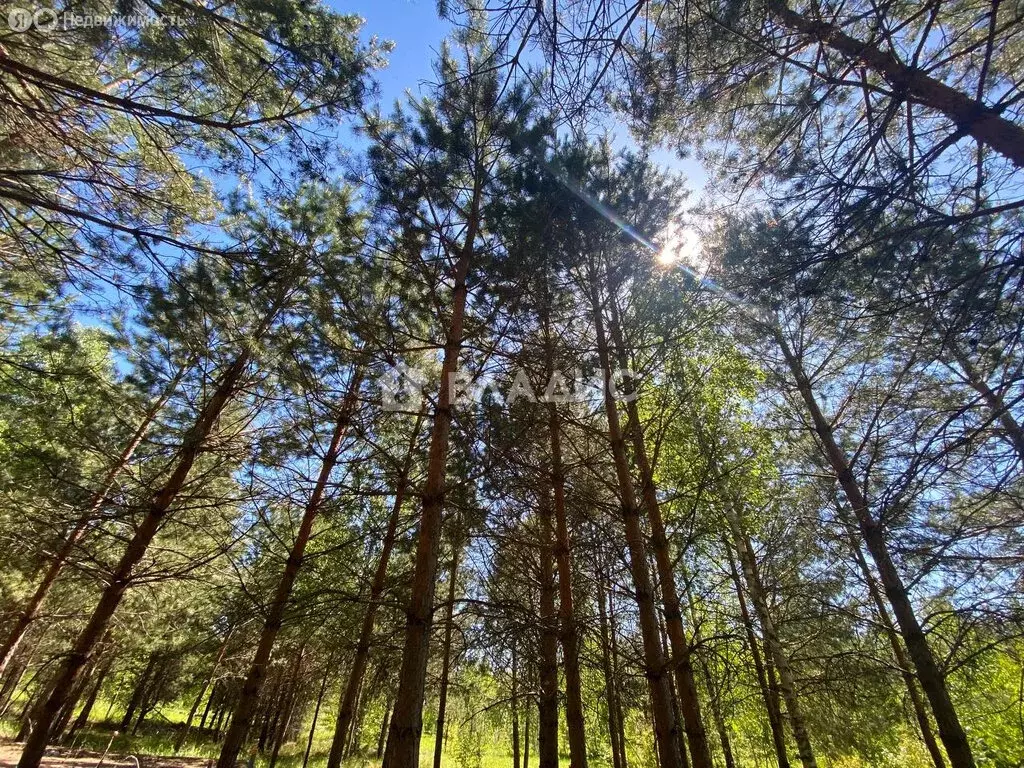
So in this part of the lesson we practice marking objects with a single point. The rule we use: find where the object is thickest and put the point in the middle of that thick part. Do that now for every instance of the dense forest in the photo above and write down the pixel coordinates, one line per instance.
(461, 432)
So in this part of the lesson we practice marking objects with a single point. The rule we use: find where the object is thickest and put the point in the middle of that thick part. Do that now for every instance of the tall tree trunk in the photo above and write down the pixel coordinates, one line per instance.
(384, 719)
(152, 695)
(139, 691)
(933, 681)
(515, 708)
(202, 692)
(666, 729)
(917, 703)
(350, 739)
(120, 579)
(14, 677)
(407, 719)
(547, 657)
(682, 662)
(316, 710)
(620, 715)
(242, 717)
(446, 654)
(526, 735)
(768, 692)
(972, 117)
(289, 707)
(756, 591)
(215, 696)
(683, 751)
(568, 630)
(83, 717)
(607, 668)
(64, 717)
(362, 654)
(270, 711)
(60, 558)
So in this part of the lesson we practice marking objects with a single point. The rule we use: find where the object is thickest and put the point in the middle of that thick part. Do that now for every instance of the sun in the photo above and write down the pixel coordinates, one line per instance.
(681, 245)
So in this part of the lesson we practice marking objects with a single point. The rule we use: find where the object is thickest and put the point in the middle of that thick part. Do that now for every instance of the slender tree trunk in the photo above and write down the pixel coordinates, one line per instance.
(64, 717)
(770, 695)
(932, 679)
(683, 752)
(241, 720)
(756, 591)
(526, 735)
(446, 653)
(350, 739)
(682, 662)
(515, 708)
(547, 658)
(610, 687)
(316, 711)
(620, 716)
(13, 677)
(138, 691)
(120, 579)
(215, 695)
(407, 719)
(384, 720)
(271, 710)
(152, 695)
(83, 717)
(362, 654)
(289, 707)
(972, 117)
(666, 729)
(568, 630)
(917, 703)
(31, 609)
(222, 710)
(202, 692)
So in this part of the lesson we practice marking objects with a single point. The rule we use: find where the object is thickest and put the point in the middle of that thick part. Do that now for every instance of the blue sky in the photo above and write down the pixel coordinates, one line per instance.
(416, 30)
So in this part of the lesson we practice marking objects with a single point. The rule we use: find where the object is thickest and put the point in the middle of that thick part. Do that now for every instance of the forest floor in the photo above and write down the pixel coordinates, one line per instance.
(66, 758)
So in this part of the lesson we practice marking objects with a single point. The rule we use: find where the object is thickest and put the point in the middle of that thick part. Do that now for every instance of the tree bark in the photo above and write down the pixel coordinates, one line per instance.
(889, 630)
(681, 661)
(972, 117)
(383, 736)
(515, 708)
(362, 654)
(568, 629)
(446, 654)
(526, 736)
(771, 699)
(242, 717)
(83, 717)
(756, 591)
(407, 719)
(665, 727)
(160, 505)
(608, 669)
(547, 657)
(933, 681)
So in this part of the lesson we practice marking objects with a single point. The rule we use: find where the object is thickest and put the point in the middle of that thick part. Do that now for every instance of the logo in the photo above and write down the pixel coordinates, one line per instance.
(19, 19)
